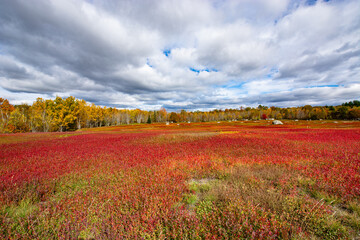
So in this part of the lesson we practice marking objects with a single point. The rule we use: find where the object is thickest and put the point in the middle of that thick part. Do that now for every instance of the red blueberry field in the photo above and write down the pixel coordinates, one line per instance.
(228, 180)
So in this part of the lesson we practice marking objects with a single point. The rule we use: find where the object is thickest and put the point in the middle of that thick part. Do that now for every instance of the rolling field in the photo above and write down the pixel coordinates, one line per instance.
(228, 180)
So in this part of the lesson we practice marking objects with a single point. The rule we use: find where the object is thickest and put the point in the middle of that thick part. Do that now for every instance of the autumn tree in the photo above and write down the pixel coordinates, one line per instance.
(81, 115)
(138, 115)
(100, 116)
(40, 115)
(5, 110)
(71, 114)
(354, 113)
(19, 119)
(341, 112)
(174, 117)
(71, 111)
(183, 116)
(108, 116)
(162, 115)
(125, 116)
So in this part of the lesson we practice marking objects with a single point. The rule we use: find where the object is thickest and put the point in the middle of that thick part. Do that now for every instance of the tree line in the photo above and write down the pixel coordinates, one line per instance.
(69, 114)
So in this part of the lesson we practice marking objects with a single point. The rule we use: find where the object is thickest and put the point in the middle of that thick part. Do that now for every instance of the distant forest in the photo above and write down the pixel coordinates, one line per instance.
(69, 114)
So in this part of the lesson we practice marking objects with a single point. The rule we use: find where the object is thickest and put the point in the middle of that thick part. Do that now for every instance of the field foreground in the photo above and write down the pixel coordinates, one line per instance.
(225, 180)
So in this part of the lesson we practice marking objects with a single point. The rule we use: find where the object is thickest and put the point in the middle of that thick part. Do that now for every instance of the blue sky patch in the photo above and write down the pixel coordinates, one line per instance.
(233, 85)
(203, 70)
(194, 70)
(330, 85)
(167, 52)
(148, 63)
(272, 72)
(313, 2)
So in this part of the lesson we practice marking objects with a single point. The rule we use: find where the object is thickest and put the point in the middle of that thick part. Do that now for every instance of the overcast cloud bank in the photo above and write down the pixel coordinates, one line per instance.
(181, 54)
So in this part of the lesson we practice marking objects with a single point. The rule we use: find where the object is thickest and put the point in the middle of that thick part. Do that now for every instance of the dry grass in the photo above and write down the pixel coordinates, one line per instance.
(277, 190)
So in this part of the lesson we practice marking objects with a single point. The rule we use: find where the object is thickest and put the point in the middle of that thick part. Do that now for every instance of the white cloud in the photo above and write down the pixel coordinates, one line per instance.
(243, 52)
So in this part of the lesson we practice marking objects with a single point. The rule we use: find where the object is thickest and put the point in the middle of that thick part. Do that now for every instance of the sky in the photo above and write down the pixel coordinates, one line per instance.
(188, 54)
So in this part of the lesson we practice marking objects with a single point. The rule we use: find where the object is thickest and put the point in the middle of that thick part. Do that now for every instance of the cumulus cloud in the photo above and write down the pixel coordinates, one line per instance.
(200, 54)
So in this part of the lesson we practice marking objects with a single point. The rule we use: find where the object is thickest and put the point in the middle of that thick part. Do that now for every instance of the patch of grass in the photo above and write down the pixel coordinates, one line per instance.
(200, 186)
(86, 234)
(205, 207)
(331, 199)
(22, 210)
(190, 199)
(354, 207)
(72, 184)
(197, 199)
(349, 214)
(275, 189)
(18, 218)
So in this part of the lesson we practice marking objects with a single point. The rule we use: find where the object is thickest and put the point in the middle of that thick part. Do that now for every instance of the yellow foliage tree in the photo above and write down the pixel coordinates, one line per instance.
(5, 110)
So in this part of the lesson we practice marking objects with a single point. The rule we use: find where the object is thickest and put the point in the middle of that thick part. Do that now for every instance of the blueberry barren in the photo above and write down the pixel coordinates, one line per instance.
(226, 180)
